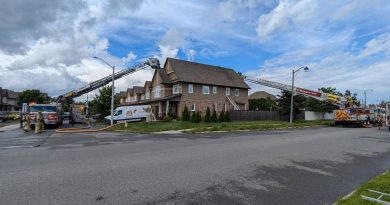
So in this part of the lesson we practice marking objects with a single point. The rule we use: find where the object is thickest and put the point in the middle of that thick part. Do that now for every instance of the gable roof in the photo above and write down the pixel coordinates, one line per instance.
(148, 84)
(191, 72)
(129, 91)
(122, 94)
(138, 89)
(261, 95)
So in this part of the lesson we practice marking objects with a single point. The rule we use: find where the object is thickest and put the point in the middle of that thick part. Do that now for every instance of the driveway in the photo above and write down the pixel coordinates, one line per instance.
(295, 166)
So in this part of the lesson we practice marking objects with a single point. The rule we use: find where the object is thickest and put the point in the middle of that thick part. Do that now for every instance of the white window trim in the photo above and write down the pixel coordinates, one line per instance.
(203, 89)
(215, 89)
(147, 95)
(193, 107)
(176, 89)
(227, 91)
(237, 92)
(192, 88)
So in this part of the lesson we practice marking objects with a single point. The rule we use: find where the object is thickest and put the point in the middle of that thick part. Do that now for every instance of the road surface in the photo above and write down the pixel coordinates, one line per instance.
(295, 166)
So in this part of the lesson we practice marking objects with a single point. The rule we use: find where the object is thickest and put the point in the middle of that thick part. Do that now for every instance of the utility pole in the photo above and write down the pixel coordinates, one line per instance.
(365, 96)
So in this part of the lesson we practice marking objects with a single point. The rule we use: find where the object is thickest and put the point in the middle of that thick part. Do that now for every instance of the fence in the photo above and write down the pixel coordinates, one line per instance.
(243, 115)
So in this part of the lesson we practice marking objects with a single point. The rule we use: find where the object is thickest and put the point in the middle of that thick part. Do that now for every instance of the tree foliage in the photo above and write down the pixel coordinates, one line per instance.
(207, 117)
(221, 117)
(33, 95)
(102, 102)
(185, 114)
(214, 117)
(262, 104)
(284, 103)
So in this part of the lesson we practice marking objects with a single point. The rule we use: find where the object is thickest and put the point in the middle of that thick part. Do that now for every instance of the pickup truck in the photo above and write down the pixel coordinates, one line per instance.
(52, 114)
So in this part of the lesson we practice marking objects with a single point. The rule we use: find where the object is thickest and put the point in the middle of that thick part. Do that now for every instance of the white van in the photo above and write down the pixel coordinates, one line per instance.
(130, 113)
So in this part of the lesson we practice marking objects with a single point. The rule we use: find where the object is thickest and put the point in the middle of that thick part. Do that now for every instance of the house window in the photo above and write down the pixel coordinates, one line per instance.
(157, 91)
(214, 89)
(193, 107)
(205, 89)
(190, 88)
(227, 91)
(236, 92)
(176, 89)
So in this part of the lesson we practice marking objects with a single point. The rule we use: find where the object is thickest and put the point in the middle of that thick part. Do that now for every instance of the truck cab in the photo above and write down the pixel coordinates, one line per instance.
(52, 114)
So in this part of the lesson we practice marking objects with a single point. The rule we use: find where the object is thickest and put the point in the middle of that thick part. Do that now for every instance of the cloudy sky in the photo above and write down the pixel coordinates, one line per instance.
(49, 45)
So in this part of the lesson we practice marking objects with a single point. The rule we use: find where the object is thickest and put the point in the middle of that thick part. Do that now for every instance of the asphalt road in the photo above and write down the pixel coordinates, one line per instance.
(297, 166)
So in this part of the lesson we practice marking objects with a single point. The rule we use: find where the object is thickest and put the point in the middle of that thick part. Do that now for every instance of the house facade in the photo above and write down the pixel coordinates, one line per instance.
(198, 86)
(8, 100)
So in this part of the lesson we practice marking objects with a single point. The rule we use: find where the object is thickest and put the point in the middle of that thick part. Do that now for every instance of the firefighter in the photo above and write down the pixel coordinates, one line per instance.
(39, 127)
(26, 122)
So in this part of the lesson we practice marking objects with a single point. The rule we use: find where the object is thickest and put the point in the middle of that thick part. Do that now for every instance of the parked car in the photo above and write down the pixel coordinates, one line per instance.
(130, 114)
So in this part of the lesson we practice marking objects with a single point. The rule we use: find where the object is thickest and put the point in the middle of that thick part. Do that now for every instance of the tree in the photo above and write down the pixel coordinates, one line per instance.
(193, 116)
(227, 117)
(33, 95)
(198, 117)
(262, 104)
(207, 117)
(353, 98)
(221, 117)
(284, 103)
(322, 106)
(102, 102)
(214, 117)
(185, 115)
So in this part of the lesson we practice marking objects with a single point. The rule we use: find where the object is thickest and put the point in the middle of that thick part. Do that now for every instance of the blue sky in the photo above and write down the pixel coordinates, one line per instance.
(346, 44)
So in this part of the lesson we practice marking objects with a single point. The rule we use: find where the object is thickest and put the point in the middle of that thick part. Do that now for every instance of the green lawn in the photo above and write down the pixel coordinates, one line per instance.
(202, 127)
(380, 183)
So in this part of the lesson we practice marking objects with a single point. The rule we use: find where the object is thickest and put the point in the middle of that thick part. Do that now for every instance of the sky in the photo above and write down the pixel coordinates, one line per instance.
(49, 45)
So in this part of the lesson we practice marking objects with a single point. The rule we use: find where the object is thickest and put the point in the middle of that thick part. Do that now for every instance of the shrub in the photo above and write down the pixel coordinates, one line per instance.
(193, 116)
(227, 117)
(167, 119)
(222, 116)
(198, 117)
(207, 117)
(214, 117)
(185, 115)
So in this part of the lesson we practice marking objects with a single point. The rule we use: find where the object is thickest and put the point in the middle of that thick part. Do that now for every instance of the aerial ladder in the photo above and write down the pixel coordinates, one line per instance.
(151, 62)
(345, 115)
(78, 112)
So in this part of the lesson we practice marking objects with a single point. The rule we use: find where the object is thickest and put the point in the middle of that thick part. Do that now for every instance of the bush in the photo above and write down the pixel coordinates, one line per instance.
(193, 116)
(214, 117)
(207, 117)
(198, 117)
(227, 117)
(222, 116)
(167, 119)
(185, 115)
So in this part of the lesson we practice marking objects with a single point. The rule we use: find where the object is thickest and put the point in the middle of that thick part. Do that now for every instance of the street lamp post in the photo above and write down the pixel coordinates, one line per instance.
(292, 91)
(365, 96)
(112, 88)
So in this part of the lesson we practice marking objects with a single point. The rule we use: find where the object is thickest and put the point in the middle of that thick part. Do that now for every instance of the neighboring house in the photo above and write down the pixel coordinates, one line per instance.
(122, 96)
(8, 100)
(261, 95)
(198, 86)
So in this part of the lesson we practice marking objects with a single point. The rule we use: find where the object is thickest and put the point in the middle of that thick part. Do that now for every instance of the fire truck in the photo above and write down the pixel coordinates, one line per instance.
(78, 112)
(346, 115)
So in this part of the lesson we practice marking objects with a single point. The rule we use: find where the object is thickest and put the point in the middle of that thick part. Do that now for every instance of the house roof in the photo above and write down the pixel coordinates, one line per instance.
(191, 72)
(129, 91)
(261, 95)
(138, 89)
(148, 84)
(122, 94)
(164, 76)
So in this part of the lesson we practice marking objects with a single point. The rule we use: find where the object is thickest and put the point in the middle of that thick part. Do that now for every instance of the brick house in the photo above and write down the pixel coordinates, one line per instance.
(198, 86)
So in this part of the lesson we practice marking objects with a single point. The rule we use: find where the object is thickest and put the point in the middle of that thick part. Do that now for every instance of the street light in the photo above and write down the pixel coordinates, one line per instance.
(112, 88)
(365, 96)
(292, 90)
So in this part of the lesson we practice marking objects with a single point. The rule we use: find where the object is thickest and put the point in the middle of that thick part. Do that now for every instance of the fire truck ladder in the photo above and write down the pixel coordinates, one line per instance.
(151, 62)
(334, 99)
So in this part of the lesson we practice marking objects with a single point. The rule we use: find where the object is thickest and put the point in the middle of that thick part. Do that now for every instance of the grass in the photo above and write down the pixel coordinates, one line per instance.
(379, 183)
(144, 127)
